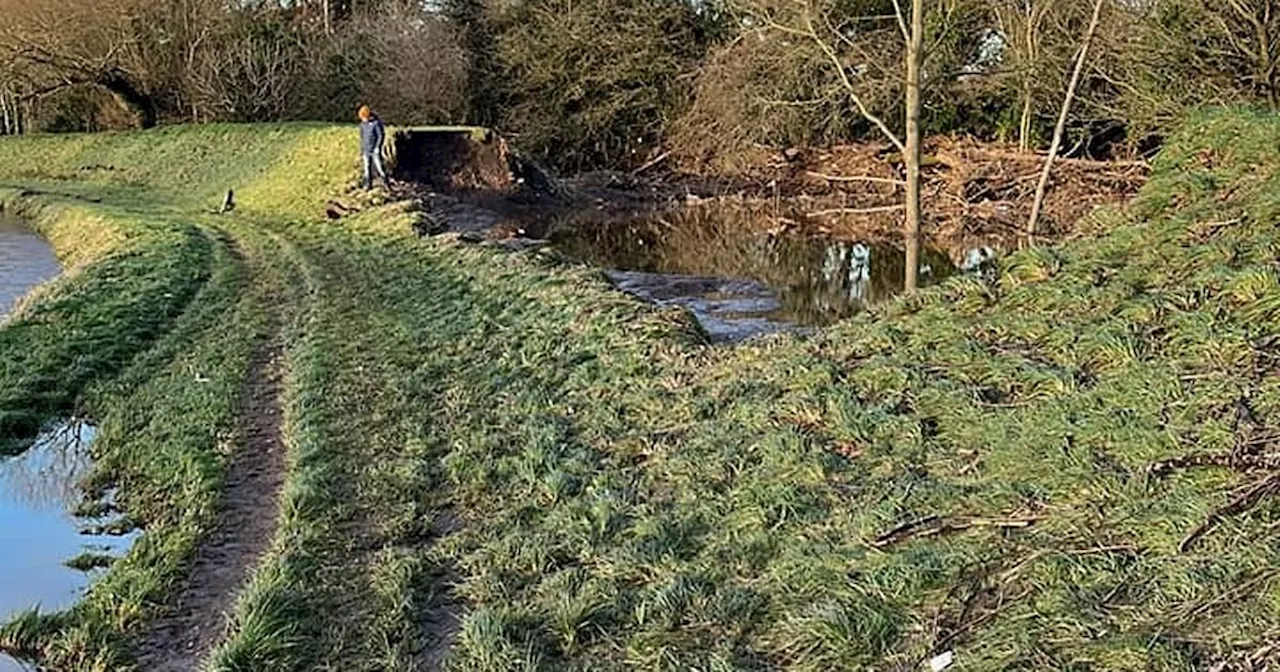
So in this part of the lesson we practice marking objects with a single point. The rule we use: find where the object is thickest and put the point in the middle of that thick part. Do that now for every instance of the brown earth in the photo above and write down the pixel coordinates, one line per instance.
(975, 194)
(196, 620)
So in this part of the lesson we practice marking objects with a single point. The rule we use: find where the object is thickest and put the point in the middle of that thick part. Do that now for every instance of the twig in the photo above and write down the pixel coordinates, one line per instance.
(1227, 596)
(854, 178)
(651, 163)
(891, 536)
(934, 525)
(1231, 460)
(854, 211)
(1238, 505)
(1105, 550)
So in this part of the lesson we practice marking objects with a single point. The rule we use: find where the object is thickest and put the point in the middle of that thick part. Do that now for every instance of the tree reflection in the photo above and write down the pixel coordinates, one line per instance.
(47, 476)
(816, 280)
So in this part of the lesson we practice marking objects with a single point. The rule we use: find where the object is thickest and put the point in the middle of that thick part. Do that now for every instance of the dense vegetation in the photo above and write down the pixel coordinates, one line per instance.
(596, 83)
(969, 469)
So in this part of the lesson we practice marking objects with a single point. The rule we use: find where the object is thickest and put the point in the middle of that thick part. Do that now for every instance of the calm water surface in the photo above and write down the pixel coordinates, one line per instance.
(737, 281)
(26, 260)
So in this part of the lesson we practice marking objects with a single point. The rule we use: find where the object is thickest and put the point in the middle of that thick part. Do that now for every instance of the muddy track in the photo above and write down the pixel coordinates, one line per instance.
(197, 617)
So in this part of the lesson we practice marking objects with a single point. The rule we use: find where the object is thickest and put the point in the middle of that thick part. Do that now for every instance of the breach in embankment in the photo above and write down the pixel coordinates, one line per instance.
(493, 458)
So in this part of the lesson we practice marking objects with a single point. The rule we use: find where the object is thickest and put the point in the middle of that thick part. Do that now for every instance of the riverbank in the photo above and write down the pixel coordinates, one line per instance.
(495, 457)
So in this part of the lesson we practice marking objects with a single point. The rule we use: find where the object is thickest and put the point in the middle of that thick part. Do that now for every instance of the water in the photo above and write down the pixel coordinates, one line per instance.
(26, 260)
(39, 489)
(738, 280)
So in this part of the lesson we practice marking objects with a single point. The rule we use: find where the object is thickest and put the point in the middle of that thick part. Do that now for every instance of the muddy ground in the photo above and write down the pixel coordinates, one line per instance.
(975, 194)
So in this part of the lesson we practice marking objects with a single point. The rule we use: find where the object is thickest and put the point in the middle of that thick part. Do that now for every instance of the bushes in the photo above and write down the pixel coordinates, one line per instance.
(590, 83)
(192, 60)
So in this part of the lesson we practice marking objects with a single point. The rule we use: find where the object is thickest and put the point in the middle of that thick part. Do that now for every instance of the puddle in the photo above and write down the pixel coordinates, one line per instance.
(26, 260)
(739, 282)
(39, 490)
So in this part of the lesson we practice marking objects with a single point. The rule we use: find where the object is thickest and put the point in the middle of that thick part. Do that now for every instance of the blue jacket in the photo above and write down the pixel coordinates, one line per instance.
(372, 135)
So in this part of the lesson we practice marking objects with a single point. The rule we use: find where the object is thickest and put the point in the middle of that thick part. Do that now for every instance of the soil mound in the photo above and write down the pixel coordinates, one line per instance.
(464, 159)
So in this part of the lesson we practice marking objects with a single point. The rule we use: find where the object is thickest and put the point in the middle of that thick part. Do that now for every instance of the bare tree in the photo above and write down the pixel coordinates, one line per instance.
(830, 35)
(67, 43)
(915, 58)
(1020, 23)
(1061, 126)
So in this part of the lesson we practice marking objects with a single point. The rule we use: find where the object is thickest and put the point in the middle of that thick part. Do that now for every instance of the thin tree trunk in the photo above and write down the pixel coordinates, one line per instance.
(1024, 129)
(915, 49)
(1058, 130)
(328, 18)
(6, 128)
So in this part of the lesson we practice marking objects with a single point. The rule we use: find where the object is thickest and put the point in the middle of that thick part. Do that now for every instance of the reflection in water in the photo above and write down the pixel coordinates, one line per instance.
(47, 476)
(780, 282)
(26, 260)
(8, 664)
(39, 489)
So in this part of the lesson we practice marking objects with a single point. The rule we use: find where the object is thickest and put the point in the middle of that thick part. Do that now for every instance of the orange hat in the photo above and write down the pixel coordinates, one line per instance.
(365, 113)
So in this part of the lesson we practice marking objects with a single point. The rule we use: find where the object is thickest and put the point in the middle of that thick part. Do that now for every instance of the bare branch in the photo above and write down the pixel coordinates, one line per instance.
(849, 86)
(902, 21)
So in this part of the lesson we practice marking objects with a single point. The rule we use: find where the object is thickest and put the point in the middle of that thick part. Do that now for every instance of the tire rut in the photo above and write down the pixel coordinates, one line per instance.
(198, 615)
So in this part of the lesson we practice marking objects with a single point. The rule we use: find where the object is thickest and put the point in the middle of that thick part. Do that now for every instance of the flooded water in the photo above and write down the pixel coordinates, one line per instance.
(39, 534)
(738, 281)
(26, 260)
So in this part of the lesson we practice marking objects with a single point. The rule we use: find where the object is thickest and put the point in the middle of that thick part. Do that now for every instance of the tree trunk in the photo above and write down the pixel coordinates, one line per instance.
(6, 126)
(915, 49)
(1058, 130)
(1024, 129)
(328, 18)
(118, 83)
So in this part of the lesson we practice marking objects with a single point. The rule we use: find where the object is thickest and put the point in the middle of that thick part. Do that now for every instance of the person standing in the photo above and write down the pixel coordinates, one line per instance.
(372, 136)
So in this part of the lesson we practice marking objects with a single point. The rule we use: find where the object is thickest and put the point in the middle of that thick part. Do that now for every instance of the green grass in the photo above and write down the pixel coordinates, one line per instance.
(603, 493)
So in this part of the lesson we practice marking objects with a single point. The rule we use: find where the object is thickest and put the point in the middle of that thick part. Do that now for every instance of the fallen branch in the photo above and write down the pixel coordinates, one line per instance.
(932, 526)
(1238, 505)
(854, 211)
(1038, 156)
(855, 178)
(893, 535)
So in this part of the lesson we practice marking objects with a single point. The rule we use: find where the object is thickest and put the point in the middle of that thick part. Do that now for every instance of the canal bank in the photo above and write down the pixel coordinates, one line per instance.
(40, 487)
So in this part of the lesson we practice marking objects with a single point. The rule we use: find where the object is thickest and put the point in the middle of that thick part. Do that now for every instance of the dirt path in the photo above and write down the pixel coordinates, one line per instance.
(196, 622)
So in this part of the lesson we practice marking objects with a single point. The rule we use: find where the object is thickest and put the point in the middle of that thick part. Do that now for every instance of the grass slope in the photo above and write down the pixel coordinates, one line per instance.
(605, 493)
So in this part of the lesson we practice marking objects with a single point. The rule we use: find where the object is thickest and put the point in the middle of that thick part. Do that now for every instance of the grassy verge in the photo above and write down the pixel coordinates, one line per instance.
(97, 318)
(166, 418)
(968, 470)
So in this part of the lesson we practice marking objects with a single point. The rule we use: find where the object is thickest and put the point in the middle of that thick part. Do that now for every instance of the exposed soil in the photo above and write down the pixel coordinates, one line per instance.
(442, 620)
(197, 618)
(975, 194)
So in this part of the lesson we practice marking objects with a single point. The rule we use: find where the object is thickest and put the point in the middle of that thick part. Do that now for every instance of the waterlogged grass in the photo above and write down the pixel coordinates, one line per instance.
(496, 438)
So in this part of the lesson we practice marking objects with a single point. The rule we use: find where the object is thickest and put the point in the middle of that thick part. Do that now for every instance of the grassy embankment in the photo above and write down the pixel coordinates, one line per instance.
(607, 493)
